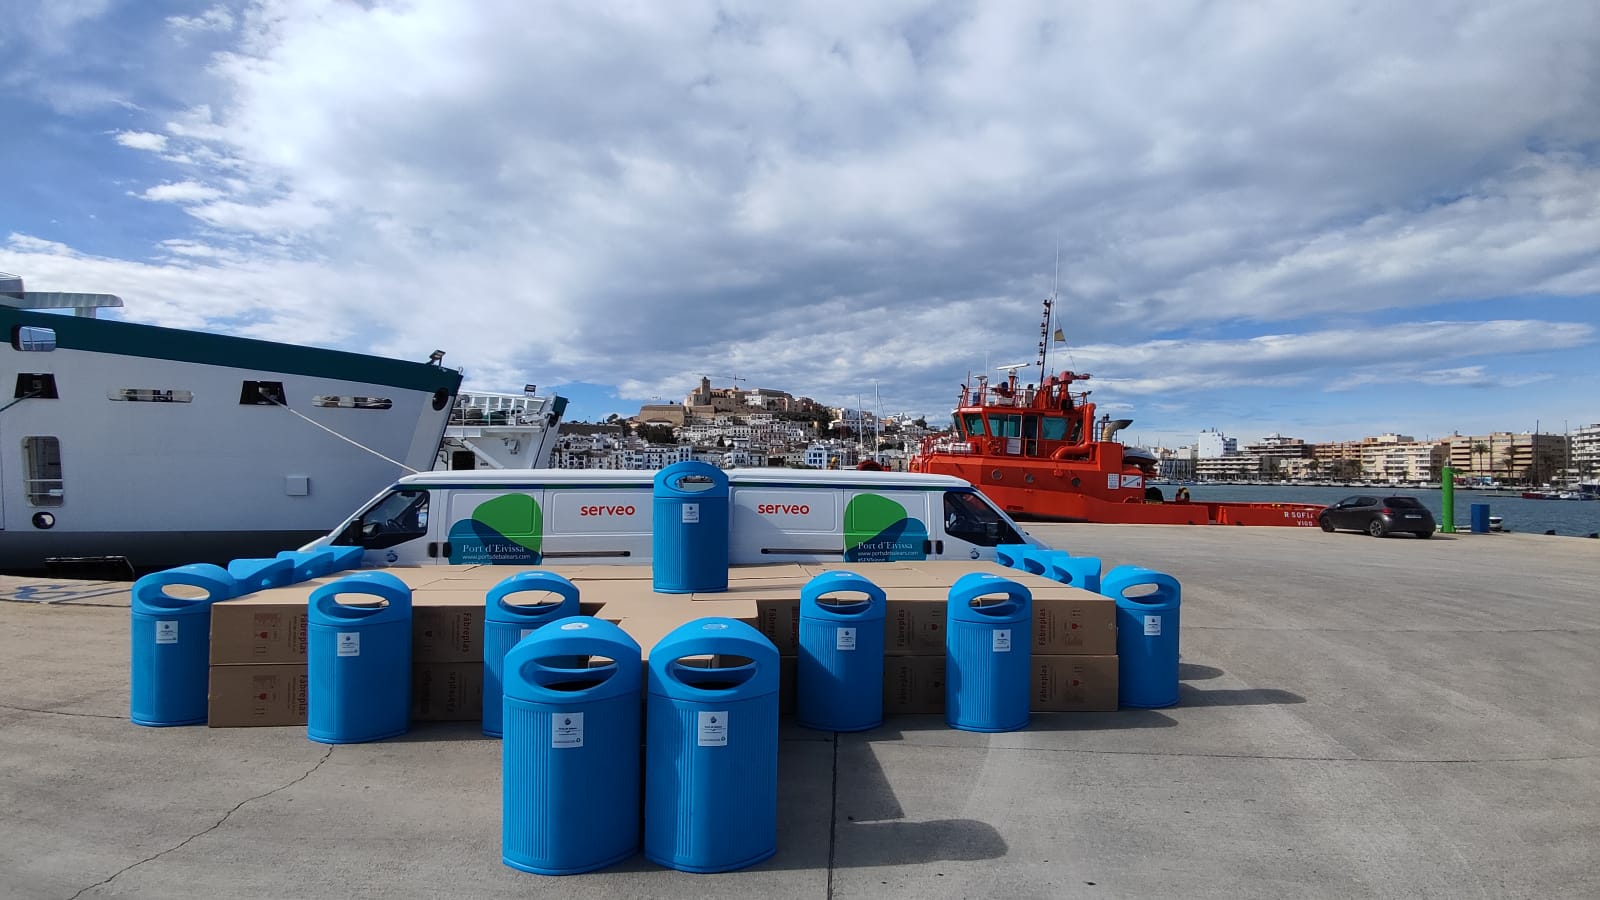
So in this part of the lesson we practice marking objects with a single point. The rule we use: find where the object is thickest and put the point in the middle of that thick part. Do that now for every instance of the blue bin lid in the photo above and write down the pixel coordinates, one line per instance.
(713, 636)
(325, 609)
(259, 574)
(310, 563)
(870, 608)
(1015, 606)
(669, 482)
(530, 672)
(1011, 554)
(151, 598)
(346, 557)
(499, 611)
(1117, 582)
(1079, 571)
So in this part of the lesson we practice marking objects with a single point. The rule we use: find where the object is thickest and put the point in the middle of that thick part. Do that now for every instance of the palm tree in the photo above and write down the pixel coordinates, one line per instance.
(1479, 449)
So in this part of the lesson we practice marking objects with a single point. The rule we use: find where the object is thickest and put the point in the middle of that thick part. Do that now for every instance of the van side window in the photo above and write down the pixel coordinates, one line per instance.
(399, 517)
(967, 517)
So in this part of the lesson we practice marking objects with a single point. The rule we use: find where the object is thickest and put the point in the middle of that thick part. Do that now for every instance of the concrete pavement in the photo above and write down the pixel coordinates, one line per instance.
(1360, 718)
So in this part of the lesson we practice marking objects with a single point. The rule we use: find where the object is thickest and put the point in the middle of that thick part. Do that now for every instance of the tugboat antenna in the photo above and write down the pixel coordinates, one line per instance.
(1049, 312)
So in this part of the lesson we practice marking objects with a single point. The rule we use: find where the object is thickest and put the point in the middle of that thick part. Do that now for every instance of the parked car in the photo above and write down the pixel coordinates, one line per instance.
(1378, 516)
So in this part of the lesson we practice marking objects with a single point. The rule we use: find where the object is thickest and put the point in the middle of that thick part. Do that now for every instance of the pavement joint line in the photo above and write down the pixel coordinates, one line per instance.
(833, 816)
(213, 827)
(1573, 628)
(56, 712)
(1267, 757)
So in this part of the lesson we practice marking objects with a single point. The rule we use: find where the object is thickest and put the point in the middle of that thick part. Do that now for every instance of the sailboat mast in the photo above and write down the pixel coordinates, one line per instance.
(1049, 313)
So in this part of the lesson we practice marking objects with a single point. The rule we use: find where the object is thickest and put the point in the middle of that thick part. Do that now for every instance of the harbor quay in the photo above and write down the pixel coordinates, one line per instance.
(1357, 718)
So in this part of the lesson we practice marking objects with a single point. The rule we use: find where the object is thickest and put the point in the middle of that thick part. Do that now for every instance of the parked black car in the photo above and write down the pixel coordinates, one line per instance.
(1378, 516)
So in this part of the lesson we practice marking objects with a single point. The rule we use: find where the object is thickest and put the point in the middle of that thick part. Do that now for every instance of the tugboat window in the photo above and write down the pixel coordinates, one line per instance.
(33, 338)
(1054, 429)
(262, 393)
(37, 386)
(41, 457)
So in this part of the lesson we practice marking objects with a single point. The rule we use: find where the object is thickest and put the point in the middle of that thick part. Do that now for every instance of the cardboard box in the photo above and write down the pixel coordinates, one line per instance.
(914, 623)
(1073, 684)
(261, 628)
(246, 696)
(447, 626)
(913, 685)
(1068, 620)
(447, 692)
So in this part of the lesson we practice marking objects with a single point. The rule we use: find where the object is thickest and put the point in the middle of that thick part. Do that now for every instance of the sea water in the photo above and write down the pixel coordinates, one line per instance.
(1569, 517)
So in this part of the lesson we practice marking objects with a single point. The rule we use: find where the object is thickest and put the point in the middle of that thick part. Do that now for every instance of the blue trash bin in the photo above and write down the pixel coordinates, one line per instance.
(570, 764)
(711, 749)
(309, 564)
(261, 574)
(171, 644)
(1147, 636)
(358, 684)
(1076, 571)
(689, 540)
(839, 666)
(1011, 555)
(506, 623)
(988, 650)
(1480, 518)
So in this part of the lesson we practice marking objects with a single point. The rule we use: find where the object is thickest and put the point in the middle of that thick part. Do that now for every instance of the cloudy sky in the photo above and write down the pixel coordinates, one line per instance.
(1325, 219)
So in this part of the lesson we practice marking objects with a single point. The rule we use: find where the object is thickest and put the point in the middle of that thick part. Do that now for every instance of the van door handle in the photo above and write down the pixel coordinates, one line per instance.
(433, 549)
(938, 547)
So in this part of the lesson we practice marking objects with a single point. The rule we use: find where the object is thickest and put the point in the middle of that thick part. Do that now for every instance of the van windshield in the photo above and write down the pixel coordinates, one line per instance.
(968, 517)
(397, 517)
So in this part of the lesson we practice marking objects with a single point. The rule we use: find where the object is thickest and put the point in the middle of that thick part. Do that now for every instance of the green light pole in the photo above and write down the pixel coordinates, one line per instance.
(1447, 487)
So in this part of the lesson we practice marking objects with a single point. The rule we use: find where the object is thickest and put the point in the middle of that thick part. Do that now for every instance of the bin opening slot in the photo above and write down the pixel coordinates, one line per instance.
(532, 602)
(721, 672)
(995, 604)
(689, 483)
(360, 601)
(1138, 591)
(569, 673)
(184, 592)
(845, 605)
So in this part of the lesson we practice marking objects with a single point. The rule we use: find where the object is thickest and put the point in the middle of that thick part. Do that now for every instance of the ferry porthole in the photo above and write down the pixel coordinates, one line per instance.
(995, 474)
(44, 520)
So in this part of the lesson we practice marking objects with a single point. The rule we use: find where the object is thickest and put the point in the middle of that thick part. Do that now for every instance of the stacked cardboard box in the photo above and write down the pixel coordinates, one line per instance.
(258, 650)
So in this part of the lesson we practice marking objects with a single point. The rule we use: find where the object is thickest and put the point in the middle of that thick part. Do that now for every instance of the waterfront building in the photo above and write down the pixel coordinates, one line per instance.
(1509, 456)
(1585, 448)
(1213, 444)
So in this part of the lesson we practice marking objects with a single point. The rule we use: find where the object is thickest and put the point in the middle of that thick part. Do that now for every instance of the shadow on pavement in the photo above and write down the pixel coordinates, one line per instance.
(426, 732)
(1193, 696)
(890, 843)
(1197, 672)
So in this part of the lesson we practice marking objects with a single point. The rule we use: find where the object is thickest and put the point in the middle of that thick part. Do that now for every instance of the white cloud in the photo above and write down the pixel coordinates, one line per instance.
(217, 18)
(142, 140)
(181, 192)
(837, 193)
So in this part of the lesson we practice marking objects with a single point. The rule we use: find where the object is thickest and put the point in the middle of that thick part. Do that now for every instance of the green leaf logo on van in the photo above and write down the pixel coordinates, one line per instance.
(877, 529)
(507, 530)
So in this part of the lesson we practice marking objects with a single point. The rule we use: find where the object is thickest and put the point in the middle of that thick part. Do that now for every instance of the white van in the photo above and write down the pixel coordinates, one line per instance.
(527, 517)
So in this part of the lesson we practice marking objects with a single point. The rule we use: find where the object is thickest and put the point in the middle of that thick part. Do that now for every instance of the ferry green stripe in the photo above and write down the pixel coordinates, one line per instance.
(154, 342)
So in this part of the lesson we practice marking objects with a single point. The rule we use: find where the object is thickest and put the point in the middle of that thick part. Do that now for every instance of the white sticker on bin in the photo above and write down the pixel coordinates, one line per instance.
(1002, 640)
(566, 730)
(691, 513)
(526, 632)
(845, 638)
(1152, 626)
(714, 728)
(166, 631)
(349, 643)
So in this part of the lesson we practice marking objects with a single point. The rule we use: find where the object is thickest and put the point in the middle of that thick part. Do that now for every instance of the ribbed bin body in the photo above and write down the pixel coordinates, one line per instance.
(1147, 636)
(711, 750)
(570, 761)
(505, 623)
(839, 669)
(170, 648)
(689, 542)
(988, 650)
(358, 685)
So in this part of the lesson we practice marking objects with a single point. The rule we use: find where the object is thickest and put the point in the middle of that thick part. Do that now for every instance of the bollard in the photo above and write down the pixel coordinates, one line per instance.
(1447, 499)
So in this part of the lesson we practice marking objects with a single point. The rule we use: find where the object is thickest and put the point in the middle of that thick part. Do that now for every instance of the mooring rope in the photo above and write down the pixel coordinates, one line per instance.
(336, 434)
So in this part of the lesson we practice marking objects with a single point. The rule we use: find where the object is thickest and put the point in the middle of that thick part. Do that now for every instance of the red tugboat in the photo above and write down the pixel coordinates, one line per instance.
(1037, 452)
